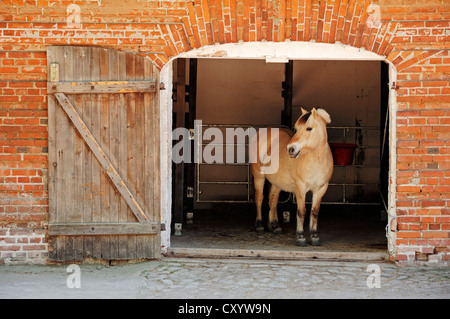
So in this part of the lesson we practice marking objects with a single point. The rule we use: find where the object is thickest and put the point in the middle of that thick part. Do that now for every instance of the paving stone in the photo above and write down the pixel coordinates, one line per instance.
(225, 278)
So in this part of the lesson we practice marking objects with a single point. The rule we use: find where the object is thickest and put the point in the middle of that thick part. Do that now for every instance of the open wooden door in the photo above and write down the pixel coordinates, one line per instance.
(104, 173)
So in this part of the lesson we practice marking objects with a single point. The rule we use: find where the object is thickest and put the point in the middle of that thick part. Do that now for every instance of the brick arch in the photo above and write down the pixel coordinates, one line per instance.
(354, 23)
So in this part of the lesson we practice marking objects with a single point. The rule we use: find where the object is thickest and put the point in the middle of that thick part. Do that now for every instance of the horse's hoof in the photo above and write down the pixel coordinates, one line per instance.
(315, 241)
(301, 241)
(259, 231)
(259, 227)
(277, 231)
(275, 228)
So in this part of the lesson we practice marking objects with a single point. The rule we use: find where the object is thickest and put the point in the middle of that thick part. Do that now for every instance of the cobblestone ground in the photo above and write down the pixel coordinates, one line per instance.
(226, 278)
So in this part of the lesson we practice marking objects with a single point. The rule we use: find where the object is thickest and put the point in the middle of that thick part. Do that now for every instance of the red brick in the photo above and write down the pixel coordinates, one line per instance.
(408, 234)
(10, 157)
(408, 189)
(435, 234)
(433, 203)
(9, 70)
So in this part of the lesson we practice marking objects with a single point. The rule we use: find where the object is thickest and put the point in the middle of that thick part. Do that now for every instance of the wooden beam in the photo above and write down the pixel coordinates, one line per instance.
(102, 87)
(287, 94)
(180, 122)
(75, 229)
(190, 167)
(192, 93)
(277, 254)
(102, 158)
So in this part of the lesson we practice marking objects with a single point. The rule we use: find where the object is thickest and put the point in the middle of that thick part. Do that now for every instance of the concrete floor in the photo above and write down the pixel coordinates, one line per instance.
(343, 229)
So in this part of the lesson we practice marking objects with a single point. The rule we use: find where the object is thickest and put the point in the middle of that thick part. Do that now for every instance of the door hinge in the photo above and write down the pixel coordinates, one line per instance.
(191, 134)
(178, 227)
(190, 192)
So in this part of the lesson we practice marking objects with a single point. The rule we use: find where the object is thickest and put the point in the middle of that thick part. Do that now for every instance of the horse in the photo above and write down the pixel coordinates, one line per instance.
(305, 163)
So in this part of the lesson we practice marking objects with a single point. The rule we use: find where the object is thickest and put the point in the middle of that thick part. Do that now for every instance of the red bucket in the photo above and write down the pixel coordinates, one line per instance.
(342, 153)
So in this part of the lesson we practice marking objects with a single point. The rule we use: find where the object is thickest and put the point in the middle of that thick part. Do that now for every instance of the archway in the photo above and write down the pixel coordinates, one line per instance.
(272, 53)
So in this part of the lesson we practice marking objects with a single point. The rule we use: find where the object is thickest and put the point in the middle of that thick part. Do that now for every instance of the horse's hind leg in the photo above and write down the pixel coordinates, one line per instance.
(313, 222)
(259, 196)
(274, 226)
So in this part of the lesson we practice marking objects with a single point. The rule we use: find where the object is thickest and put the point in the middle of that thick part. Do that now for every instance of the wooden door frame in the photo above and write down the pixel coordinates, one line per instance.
(283, 51)
(184, 172)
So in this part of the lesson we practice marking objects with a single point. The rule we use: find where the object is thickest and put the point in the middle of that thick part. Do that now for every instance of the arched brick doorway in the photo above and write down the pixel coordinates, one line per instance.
(273, 53)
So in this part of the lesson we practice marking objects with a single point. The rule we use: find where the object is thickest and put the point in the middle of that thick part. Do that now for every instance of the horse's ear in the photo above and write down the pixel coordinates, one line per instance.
(303, 111)
(324, 115)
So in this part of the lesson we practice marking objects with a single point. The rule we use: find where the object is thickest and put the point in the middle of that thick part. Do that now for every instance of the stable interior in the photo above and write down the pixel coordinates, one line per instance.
(219, 212)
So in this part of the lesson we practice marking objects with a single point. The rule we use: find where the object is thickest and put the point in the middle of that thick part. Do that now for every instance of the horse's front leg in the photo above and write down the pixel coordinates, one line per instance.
(314, 218)
(301, 210)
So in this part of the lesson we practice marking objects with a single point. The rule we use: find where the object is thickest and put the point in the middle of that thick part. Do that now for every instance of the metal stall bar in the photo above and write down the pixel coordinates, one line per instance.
(248, 182)
(201, 163)
(344, 184)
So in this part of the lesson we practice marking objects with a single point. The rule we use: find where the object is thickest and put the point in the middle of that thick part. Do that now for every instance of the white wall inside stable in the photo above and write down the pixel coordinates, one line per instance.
(348, 90)
(239, 91)
(271, 52)
(249, 92)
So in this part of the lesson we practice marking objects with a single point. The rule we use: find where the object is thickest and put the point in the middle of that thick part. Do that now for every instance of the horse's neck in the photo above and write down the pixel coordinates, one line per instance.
(321, 150)
(323, 146)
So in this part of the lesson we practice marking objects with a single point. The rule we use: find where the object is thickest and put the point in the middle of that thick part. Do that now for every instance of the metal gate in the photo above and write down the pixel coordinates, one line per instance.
(232, 180)
(226, 182)
(346, 186)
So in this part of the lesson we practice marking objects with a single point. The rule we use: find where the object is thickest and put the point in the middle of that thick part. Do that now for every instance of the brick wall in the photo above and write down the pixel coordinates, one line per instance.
(412, 34)
(23, 155)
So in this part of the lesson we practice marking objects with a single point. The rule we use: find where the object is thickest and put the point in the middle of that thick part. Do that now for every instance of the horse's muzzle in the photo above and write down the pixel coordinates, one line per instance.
(293, 151)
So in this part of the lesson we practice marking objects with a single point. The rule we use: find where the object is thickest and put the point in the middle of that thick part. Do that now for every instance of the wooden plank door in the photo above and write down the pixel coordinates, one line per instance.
(104, 174)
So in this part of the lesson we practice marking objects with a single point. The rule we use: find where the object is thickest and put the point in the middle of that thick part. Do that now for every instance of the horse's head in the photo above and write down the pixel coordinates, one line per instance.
(310, 132)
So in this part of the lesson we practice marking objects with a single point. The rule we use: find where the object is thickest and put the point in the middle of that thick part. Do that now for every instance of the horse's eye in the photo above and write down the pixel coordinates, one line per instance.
(309, 128)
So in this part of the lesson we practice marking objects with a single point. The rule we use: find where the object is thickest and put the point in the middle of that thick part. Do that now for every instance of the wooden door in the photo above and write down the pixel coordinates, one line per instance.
(104, 174)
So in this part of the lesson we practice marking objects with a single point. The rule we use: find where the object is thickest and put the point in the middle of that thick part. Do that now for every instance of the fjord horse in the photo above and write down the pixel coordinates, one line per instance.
(305, 163)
